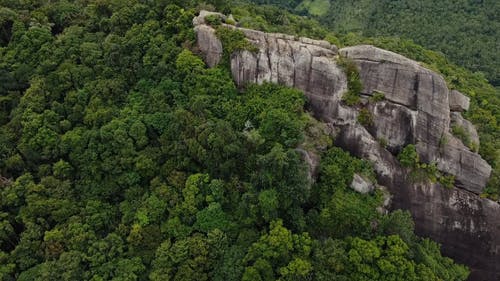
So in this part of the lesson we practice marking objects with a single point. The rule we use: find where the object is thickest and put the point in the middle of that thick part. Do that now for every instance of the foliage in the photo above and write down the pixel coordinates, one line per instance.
(315, 7)
(461, 30)
(233, 40)
(213, 20)
(463, 135)
(377, 96)
(408, 157)
(351, 16)
(130, 160)
(354, 86)
(365, 117)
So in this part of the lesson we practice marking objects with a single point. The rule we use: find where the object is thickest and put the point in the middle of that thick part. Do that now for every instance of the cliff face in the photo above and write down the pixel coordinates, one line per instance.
(418, 108)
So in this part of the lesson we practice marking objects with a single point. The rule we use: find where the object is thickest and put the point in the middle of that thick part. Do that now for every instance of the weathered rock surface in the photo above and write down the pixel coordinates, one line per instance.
(306, 64)
(466, 125)
(393, 124)
(362, 185)
(211, 47)
(426, 95)
(417, 109)
(458, 101)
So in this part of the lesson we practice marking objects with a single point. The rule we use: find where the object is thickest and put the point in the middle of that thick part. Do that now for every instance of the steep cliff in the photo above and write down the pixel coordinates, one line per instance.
(417, 108)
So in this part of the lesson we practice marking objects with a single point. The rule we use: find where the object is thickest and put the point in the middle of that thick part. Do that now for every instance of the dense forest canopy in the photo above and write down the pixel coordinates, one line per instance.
(467, 31)
(124, 158)
(485, 99)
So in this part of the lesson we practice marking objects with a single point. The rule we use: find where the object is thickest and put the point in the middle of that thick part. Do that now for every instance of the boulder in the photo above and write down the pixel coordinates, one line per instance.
(458, 101)
(470, 170)
(209, 45)
(361, 184)
(416, 110)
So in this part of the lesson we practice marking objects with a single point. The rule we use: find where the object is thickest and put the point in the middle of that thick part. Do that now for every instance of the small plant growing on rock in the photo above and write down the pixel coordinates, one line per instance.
(383, 142)
(354, 85)
(447, 181)
(233, 40)
(429, 171)
(408, 157)
(377, 96)
(460, 133)
(365, 117)
(474, 146)
(230, 21)
(213, 20)
(443, 140)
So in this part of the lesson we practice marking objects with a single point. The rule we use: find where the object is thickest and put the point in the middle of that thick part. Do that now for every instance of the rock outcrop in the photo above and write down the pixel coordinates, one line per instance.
(458, 101)
(424, 96)
(418, 108)
(362, 185)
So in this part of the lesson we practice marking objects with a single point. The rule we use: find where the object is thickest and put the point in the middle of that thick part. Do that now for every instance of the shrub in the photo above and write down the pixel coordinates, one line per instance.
(354, 85)
(365, 117)
(447, 181)
(377, 96)
(213, 20)
(233, 40)
(383, 142)
(462, 134)
(408, 157)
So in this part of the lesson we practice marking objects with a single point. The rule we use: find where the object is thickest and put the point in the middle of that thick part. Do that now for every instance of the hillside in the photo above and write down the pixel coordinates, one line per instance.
(124, 157)
(467, 32)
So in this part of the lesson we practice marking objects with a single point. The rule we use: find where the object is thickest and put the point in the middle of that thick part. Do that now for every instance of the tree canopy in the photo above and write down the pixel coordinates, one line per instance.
(127, 159)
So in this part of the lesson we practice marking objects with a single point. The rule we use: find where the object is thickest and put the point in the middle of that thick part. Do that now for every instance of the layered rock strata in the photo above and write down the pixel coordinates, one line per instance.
(418, 108)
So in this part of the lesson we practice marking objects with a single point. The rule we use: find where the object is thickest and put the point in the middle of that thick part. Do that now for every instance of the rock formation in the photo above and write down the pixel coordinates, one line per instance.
(418, 108)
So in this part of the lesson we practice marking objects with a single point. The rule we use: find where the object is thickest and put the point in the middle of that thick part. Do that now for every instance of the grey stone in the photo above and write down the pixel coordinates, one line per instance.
(361, 184)
(458, 101)
(386, 200)
(393, 124)
(470, 170)
(209, 45)
(458, 120)
(200, 19)
(416, 110)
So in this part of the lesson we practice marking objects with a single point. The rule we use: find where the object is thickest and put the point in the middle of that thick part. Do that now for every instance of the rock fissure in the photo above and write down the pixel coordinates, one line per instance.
(292, 56)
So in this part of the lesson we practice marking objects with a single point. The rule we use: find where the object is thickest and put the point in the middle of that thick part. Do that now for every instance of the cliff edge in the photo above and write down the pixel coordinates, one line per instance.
(416, 108)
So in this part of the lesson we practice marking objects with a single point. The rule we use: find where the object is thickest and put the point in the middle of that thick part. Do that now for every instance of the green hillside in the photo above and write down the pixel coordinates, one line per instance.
(122, 157)
(467, 32)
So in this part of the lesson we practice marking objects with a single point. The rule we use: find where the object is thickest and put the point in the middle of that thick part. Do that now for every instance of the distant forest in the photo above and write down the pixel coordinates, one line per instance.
(123, 157)
(466, 31)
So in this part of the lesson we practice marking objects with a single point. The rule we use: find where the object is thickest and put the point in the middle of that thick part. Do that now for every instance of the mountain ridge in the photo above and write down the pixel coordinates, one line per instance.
(393, 75)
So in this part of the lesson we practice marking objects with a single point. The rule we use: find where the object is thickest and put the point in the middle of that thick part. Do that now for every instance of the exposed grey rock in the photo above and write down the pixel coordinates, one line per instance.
(312, 161)
(458, 101)
(393, 124)
(386, 200)
(200, 19)
(471, 172)
(209, 45)
(423, 114)
(416, 110)
(458, 120)
(466, 225)
(301, 64)
(361, 184)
